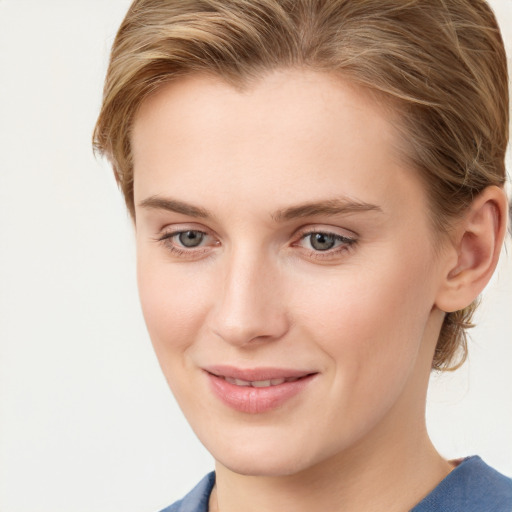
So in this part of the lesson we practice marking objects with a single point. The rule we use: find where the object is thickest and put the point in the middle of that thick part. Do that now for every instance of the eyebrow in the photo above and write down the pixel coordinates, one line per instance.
(173, 205)
(329, 207)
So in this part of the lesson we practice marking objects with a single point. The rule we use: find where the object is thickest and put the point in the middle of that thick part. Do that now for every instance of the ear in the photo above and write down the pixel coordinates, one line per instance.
(476, 245)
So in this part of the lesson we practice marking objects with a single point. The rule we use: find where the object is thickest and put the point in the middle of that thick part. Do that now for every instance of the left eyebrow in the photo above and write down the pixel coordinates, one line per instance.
(329, 207)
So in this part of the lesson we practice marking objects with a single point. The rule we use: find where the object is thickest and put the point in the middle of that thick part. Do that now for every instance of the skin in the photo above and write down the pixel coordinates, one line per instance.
(364, 315)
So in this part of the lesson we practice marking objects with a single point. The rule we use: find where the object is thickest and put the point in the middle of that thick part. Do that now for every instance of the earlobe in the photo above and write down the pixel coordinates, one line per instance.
(478, 242)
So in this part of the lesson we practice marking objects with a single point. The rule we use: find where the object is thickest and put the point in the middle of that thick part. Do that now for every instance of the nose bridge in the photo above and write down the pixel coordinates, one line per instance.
(250, 307)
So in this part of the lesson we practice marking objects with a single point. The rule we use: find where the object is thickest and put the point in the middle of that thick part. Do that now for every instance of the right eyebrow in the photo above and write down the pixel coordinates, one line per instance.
(173, 205)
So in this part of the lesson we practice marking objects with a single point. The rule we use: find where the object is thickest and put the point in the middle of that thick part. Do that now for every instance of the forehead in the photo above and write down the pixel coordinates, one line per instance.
(299, 133)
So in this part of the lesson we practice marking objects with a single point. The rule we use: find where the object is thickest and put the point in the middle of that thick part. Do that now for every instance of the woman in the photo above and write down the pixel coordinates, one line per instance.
(317, 194)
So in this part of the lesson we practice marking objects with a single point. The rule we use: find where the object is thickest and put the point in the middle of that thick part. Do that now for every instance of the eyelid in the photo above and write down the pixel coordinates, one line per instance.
(326, 230)
(341, 238)
(175, 229)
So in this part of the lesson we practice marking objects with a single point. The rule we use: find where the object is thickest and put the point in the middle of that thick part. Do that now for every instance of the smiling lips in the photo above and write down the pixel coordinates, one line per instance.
(256, 390)
(259, 383)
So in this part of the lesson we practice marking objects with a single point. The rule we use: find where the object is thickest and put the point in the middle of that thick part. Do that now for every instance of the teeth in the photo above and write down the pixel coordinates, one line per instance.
(238, 382)
(259, 383)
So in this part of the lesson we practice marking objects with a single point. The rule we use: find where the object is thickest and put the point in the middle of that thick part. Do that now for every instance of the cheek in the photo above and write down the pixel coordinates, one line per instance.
(172, 303)
(370, 319)
(371, 328)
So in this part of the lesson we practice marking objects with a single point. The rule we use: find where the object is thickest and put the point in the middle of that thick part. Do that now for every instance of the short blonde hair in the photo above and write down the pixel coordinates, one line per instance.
(441, 64)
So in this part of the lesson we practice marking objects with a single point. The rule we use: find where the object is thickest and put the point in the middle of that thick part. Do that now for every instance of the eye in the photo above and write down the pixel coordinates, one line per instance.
(190, 239)
(187, 242)
(320, 241)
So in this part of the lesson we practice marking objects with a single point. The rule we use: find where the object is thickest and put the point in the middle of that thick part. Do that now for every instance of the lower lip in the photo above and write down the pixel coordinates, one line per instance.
(253, 400)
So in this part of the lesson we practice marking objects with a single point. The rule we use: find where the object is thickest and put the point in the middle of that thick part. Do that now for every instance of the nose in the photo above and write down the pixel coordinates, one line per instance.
(250, 307)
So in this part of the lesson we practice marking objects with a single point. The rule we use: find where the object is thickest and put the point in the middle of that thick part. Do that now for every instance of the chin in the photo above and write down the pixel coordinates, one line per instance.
(264, 460)
(261, 467)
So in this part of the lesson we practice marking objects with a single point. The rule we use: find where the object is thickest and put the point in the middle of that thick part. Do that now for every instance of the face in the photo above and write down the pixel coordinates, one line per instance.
(286, 267)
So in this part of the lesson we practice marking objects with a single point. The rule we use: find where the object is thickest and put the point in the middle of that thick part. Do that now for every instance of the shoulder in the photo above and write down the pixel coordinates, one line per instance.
(472, 486)
(197, 499)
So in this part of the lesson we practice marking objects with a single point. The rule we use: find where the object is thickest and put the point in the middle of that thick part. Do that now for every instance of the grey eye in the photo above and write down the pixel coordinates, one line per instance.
(191, 238)
(322, 241)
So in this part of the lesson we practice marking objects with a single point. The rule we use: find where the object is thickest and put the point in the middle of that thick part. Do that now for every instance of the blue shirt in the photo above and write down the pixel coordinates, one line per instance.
(472, 486)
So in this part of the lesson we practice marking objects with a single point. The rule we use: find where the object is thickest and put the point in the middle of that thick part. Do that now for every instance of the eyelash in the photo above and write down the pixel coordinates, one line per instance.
(166, 239)
(347, 243)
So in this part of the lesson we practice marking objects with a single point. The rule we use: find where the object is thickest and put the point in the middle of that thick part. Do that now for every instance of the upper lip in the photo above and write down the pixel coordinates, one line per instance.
(256, 374)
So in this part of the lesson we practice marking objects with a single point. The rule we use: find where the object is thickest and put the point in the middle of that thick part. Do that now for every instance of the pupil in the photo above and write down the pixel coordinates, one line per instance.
(322, 241)
(190, 238)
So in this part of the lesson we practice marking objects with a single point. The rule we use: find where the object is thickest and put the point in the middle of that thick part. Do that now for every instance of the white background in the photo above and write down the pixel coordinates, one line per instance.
(86, 420)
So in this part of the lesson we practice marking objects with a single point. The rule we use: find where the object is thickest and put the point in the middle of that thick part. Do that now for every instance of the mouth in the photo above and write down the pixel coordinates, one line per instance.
(259, 383)
(261, 377)
(257, 390)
